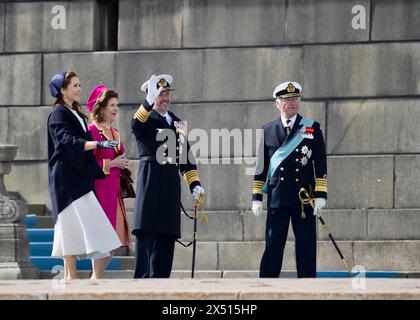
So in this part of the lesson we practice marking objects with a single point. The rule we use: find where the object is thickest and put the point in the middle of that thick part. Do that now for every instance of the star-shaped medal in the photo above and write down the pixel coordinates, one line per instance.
(304, 161)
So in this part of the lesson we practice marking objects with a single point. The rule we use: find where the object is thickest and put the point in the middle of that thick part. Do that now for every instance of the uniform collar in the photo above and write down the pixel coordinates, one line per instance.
(162, 119)
(168, 117)
(296, 126)
(293, 119)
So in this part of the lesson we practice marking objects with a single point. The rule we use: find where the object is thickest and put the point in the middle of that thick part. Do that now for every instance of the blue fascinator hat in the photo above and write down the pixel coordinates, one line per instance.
(56, 83)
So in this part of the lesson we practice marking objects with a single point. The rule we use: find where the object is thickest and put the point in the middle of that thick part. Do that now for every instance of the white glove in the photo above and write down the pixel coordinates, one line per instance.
(257, 207)
(197, 191)
(152, 90)
(319, 204)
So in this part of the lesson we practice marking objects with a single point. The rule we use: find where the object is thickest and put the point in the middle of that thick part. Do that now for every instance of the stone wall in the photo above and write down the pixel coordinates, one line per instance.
(226, 57)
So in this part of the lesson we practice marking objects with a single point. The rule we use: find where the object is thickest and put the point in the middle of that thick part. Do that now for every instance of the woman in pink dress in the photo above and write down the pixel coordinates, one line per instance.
(103, 104)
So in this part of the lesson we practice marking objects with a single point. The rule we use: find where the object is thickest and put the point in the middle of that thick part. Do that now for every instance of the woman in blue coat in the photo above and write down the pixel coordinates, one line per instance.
(81, 228)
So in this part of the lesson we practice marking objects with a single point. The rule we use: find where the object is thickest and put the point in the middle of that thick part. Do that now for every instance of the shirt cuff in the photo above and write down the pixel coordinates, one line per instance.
(192, 179)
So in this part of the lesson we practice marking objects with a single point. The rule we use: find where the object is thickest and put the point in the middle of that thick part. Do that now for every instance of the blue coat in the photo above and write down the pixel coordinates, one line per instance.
(71, 170)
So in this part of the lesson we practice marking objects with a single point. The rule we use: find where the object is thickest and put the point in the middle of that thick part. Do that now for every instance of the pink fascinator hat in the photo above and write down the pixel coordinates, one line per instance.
(94, 95)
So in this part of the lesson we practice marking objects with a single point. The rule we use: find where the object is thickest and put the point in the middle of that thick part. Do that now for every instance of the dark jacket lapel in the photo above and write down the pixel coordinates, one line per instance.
(155, 115)
(279, 131)
(76, 121)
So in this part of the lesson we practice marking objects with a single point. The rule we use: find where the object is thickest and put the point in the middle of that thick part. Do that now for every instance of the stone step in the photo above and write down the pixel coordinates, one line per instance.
(356, 224)
(40, 235)
(213, 289)
(370, 255)
(129, 274)
(231, 274)
(237, 255)
(40, 249)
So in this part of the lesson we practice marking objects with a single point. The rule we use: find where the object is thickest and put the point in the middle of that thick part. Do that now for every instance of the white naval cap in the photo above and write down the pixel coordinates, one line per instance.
(287, 89)
(165, 82)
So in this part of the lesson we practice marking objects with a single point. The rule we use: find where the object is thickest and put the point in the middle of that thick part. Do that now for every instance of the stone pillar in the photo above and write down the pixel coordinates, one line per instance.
(14, 245)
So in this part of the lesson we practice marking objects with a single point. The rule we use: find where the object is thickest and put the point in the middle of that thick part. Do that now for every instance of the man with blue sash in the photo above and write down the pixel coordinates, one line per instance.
(291, 158)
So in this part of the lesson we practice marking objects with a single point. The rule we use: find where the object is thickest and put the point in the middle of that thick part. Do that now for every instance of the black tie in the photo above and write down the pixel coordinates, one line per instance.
(288, 129)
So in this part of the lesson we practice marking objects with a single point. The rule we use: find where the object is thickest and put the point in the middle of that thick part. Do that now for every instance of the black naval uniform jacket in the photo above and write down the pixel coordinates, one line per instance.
(157, 205)
(71, 170)
(305, 167)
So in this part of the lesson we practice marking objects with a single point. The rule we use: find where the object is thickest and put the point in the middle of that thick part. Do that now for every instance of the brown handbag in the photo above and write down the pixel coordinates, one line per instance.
(126, 185)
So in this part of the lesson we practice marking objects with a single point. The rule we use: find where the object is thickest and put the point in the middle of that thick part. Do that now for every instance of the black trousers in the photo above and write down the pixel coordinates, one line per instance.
(277, 227)
(154, 255)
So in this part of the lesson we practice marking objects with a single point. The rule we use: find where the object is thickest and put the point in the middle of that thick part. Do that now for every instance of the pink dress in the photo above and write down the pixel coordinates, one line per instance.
(108, 189)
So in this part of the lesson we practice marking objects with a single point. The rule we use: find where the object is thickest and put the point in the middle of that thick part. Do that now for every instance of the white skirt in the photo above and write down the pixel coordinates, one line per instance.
(83, 230)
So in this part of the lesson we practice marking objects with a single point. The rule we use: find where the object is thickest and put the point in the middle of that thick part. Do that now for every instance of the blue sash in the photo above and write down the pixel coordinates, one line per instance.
(285, 150)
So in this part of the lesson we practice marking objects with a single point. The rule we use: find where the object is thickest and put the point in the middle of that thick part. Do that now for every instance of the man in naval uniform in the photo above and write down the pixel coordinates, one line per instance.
(291, 160)
(163, 150)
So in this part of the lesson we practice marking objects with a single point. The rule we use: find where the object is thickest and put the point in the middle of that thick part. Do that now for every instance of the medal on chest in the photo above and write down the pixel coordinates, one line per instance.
(307, 132)
(306, 153)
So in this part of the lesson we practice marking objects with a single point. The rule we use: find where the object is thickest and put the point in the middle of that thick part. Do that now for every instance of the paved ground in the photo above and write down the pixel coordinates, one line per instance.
(224, 289)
